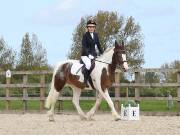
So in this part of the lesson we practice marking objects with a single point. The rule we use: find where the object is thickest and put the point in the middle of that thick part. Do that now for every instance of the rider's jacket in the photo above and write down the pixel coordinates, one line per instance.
(89, 43)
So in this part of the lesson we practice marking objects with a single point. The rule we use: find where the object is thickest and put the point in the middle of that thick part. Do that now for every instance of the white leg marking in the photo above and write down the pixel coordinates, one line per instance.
(54, 98)
(76, 96)
(95, 107)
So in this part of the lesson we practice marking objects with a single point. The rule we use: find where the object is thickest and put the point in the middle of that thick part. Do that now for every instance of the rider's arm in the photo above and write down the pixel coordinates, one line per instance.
(99, 46)
(84, 45)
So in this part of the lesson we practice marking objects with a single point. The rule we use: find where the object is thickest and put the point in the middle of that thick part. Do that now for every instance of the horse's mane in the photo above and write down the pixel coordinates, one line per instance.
(106, 51)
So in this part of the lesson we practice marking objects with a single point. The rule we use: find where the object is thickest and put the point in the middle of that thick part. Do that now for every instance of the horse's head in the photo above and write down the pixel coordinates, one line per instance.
(119, 56)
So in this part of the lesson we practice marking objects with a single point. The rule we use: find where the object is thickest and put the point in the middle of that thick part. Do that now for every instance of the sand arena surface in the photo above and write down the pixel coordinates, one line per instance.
(38, 124)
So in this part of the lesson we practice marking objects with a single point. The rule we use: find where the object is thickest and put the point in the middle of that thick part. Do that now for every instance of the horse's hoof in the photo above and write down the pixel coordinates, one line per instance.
(90, 119)
(83, 118)
(117, 119)
(51, 119)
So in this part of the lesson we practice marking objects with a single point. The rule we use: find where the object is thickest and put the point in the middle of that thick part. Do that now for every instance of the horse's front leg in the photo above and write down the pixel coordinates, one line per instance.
(76, 96)
(95, 107)
(106, 96)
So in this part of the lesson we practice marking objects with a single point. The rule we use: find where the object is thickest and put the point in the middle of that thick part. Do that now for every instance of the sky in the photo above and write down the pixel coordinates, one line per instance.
(54, 21)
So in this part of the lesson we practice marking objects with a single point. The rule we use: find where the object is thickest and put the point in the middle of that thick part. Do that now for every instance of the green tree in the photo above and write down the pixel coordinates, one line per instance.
(39, 54)
(32, 55)
(74, 52)
(111, 26)
(170, 76)
(26, 54)
(151, 77)
(132, 36)
(7, 56)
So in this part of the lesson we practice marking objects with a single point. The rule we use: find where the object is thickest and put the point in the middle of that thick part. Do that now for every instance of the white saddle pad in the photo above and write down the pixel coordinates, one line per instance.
(76, 68)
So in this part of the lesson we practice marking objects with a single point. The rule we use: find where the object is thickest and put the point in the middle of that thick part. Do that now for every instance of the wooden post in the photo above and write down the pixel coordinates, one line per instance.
(178, 93)
(8, 81)
(117, 92)
(60, 101)
(25, 94)
(137, 91)
(42, 92)
(60, 105)
(127, 92)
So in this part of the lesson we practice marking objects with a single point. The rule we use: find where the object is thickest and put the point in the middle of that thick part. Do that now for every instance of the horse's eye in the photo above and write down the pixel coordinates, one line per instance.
(119, 55)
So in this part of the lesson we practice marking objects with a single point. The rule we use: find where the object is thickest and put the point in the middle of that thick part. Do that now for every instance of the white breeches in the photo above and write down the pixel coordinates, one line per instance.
(86, 61)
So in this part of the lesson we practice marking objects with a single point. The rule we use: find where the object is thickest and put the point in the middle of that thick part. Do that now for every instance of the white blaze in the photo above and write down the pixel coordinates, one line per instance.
(125, 62)
(124, 57)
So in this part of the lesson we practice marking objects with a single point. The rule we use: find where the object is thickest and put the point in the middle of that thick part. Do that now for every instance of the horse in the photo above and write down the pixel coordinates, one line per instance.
(69, 73)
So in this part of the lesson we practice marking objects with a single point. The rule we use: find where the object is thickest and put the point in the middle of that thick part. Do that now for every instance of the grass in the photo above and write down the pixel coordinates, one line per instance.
(150, 106)
(153, 106)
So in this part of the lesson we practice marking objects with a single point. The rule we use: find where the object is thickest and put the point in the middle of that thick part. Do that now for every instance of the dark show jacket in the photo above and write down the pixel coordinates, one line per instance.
(88, 44)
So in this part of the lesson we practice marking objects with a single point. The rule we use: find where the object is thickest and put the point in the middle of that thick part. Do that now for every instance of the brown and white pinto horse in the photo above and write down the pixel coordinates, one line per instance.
(102, 78)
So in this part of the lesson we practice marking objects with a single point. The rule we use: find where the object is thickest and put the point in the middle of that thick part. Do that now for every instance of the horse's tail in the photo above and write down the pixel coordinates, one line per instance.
(53, 94)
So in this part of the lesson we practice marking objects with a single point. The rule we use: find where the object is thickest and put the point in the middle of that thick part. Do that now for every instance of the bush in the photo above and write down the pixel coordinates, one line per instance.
(131, 102)
(67, 92)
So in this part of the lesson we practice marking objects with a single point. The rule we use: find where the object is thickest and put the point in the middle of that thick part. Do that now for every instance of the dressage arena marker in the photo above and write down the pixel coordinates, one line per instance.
(129, 113)
(8, 74)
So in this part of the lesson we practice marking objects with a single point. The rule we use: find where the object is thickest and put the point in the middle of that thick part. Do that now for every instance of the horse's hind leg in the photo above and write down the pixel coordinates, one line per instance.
(76, 96)
(53, 98)
(57, 84)
(95, 107)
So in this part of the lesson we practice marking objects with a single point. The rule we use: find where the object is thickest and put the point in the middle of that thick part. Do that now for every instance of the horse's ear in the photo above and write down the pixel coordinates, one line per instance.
(116, 43)
(122, 43)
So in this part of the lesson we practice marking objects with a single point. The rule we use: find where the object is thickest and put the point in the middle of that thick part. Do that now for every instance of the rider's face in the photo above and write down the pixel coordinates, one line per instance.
(91, 29)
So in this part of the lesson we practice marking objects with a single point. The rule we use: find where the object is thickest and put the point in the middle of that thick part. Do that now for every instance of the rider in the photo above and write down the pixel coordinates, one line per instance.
(89, 41)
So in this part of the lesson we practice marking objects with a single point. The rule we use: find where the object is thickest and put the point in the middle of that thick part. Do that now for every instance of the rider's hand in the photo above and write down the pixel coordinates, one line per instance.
(91, 57)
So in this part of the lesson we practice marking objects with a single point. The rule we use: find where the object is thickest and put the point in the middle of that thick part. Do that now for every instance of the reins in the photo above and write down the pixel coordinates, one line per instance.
(106, 62)
(102, 61)
(94, 60)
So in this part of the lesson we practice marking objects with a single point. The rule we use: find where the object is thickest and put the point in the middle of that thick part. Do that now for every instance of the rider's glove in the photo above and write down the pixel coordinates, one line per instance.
(91, 57)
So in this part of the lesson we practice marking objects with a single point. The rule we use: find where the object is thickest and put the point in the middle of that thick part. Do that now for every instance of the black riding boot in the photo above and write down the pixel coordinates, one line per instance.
(86, 77)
